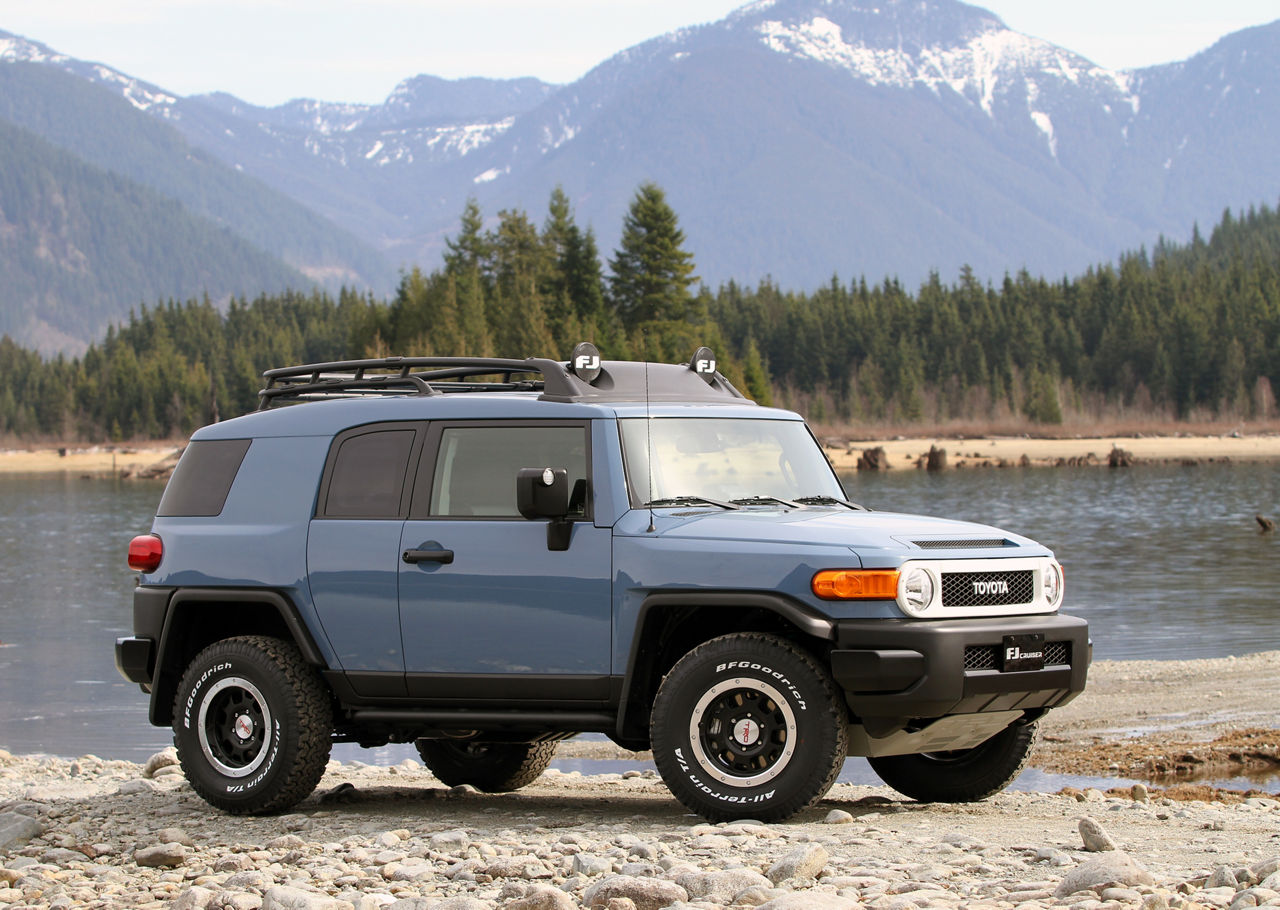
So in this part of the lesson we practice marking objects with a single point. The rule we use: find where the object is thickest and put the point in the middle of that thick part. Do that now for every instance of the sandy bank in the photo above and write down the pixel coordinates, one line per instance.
(93, 460)
(904, 453)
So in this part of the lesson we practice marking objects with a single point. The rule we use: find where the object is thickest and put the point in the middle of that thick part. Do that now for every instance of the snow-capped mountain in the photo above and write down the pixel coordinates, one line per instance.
(795, 138)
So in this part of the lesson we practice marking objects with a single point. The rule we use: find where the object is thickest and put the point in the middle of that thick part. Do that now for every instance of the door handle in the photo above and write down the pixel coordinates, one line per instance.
(441, 556)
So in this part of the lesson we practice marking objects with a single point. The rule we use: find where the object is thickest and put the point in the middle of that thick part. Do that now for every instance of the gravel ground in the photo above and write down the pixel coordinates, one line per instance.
(110, 834)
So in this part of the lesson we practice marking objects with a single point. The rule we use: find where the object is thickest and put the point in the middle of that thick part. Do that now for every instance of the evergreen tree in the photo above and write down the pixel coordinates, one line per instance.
(651, 270)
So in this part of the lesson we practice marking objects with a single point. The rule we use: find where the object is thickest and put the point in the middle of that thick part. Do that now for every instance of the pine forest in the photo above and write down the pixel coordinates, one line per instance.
(1185, 331)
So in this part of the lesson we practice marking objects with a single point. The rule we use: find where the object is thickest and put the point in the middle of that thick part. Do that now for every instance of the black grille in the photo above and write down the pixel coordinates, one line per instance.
(1057, 653)
(980, 657)
(987, 589)
(987, 657)
(973, 544)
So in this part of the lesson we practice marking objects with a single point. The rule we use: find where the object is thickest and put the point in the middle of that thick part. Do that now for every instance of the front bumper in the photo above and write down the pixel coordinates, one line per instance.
(899, 671)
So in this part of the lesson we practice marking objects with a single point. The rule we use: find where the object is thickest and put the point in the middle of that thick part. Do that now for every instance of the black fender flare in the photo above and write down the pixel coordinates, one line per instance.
(182, 603)
(803, 617)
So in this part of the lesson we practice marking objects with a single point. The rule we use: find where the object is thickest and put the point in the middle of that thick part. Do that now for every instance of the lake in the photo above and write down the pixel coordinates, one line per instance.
(1165, 562)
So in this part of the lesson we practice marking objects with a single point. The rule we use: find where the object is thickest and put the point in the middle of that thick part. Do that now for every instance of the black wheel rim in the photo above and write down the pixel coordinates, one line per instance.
(743, 732)
(234, 727)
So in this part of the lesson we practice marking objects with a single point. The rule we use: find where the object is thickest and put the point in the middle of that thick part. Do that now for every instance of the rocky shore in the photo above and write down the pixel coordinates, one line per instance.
(112, 834)
(109, 834)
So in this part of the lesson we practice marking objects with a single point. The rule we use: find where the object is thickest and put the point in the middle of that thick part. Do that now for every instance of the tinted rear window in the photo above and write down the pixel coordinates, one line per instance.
(202, 479)
(367, 476)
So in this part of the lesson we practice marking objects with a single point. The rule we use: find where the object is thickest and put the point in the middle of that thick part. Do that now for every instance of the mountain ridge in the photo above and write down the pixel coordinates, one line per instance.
(796, 138)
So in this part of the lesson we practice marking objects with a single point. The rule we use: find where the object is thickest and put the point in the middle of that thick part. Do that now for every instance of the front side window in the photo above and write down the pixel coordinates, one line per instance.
(475, 472)
(723, 459)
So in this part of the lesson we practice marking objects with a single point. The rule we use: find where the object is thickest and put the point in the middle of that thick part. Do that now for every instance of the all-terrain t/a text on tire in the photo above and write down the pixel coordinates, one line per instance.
(252, 724)
(748, 725)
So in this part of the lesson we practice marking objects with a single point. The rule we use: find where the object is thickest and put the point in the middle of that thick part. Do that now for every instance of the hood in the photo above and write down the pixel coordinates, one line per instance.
(877, 537)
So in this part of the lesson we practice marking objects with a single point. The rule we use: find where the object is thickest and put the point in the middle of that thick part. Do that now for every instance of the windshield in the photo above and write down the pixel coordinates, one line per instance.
(725, 459)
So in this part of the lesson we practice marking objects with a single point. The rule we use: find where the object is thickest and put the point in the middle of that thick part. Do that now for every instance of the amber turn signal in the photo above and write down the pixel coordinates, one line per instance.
(856, 584)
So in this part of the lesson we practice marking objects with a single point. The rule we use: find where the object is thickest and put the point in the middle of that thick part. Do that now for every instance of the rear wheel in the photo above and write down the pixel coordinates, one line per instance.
(252, 723)
(748, 726)
(962, 776)
(491, 767)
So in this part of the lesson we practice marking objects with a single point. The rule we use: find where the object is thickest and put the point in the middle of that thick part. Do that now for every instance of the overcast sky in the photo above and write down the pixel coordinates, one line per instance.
(268, 51)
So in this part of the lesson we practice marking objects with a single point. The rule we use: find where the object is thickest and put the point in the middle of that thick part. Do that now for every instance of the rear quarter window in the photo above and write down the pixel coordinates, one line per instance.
(203, 478)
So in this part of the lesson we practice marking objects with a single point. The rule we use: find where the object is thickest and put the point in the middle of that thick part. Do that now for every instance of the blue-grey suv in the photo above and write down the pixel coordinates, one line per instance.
(485, 556)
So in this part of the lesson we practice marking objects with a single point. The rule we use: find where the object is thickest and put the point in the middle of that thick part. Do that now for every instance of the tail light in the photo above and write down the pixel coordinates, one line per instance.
(145, 553)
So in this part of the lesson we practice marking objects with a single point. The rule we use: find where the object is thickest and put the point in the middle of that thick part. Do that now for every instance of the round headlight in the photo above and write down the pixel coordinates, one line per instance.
(1053, 584)
(915, 591)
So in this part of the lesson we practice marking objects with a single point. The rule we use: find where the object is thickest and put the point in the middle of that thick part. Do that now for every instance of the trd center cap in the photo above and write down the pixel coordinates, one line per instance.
(746, 732)
(243, 727)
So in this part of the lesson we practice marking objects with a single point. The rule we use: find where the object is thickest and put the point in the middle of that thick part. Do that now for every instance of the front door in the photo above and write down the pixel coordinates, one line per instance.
(487, 611)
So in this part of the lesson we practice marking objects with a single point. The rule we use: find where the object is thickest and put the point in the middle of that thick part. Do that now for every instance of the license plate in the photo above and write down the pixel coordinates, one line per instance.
(1022, 652)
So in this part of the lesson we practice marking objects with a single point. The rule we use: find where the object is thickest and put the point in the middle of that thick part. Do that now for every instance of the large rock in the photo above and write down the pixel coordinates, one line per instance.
(543, 897)
(1112, 869)
(805, 861)
(1095, 837)
(161, 855)
(590, 866)
(194, 898)
(647, 893)
(282, 897)
(164, 759)
(811, 900)
(461, 902)
(720, 887)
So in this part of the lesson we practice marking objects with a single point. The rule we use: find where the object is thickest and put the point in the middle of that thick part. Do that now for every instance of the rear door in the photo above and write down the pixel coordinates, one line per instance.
(353, 550)
(487, 611)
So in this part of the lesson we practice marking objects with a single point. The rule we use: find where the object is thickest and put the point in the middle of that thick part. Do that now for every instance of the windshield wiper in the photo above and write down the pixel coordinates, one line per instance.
(825, 500)
(689, 501)
(765, 500)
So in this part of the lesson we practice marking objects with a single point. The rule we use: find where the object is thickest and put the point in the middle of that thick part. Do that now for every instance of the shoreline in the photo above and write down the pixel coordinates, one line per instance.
(1022, 451)
(141, 461)
(154, 460)
(95, 833)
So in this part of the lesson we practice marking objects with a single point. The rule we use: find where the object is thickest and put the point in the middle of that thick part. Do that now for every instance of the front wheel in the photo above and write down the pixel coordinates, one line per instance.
(961, 776)
(491, 767)
(748, 726)
(252, 723)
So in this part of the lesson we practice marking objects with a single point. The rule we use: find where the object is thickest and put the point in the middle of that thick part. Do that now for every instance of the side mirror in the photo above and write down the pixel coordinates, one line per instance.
(542, 492)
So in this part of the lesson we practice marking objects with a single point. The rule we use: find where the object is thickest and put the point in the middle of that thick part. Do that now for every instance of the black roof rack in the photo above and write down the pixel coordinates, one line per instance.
(557, 381)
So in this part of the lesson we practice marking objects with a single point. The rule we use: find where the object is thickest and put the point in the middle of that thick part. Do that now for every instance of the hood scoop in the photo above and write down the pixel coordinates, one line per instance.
(969, 543)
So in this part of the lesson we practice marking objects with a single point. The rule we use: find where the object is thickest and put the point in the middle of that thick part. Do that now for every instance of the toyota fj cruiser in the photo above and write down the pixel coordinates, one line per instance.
(486, 556)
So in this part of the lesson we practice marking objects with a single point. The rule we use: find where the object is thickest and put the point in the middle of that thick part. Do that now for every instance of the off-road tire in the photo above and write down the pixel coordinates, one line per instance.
(768, 699)
(491, 767)
(252, 723)
(962, 776)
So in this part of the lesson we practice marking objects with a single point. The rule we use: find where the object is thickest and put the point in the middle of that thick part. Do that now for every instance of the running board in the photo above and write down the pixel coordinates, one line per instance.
(560, 721)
